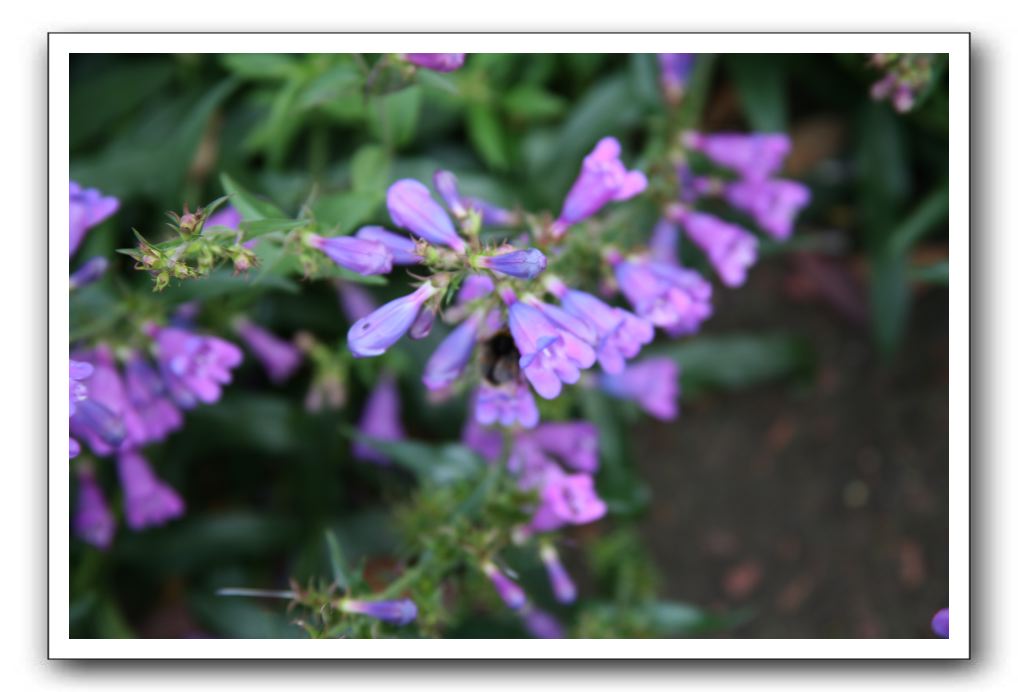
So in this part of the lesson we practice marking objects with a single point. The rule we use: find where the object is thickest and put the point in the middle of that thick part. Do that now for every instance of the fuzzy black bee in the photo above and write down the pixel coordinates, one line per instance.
(500, 359)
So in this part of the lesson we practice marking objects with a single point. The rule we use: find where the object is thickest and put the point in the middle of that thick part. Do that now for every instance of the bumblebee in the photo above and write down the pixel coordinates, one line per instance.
(500, 359)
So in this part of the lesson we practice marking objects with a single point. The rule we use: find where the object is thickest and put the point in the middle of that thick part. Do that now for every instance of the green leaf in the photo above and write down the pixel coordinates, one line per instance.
(348, 210)
(98, 102)
(341, 82)
(936, 274)
(930, 213)
(438, 464)
(533, 103)
(760, 82)
(739, 361)
(889, 300)
(336, 561)
(251, 208)
(395, 116)
(438, 81)
(488, 136)
(242, 618)
(253, 229)
(697, 91)
(369, 169)
(282, 124)
(271, 66)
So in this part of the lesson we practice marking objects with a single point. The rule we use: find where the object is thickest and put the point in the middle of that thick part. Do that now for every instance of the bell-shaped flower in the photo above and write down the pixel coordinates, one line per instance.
(568, 499)
(373, 334)
(402, 249)
(519, 264)
(754, 156)
(380, 420)
(506, 404)
(452, 355)
(545, 358)
(150, 399)
(147, 500)
(365, 257)
(652, 383)
(773, 204)
(669, 296)
(730, 248)
(561, 583)
(413, 209)
(93, 521)
(194, 366)
(508, 590)
(603, 179)
(88, 208)
(279, 357)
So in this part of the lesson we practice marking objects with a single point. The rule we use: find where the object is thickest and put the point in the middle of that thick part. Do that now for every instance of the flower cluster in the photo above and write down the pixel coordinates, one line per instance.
(905, 76)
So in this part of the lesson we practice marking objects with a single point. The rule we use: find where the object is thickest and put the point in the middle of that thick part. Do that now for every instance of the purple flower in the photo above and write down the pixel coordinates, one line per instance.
(939, 623)
(147, 500)
(652, 383)
(603, 179)
(105, 419)
(492, 215)
(423, 323)
(73, 448)
(474, 286)
(619, 334)
(195, 367)
(379, 420)
(773, 204)
(546, 359)
(440, 62)
(664, 242)
(754, 156)
(367, 257)
(561, 584)
(88, 208)
(93, 521)
(373, 334)
(90, 271)
(487, 442)
(228, 216)
(568, 499)
(399, 612)
(77, 391)
(508, 590)
(412, 208)
(279, 358)
(731, 249)
(355, 300)
(675, 70)
(452, 355)
(402, 249)
(150, 399)
(574, 443)
(448, 189)
(542, 625)
(520, 264)
(669, 296)
(506, 405)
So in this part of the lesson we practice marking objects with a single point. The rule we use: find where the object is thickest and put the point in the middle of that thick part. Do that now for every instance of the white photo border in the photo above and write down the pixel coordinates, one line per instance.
(956, 45)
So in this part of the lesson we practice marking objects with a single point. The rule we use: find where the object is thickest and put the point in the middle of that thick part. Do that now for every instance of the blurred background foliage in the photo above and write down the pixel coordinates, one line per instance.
(264, 480)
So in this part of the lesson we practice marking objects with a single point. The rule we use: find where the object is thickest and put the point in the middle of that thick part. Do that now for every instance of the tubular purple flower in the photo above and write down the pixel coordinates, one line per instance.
(754, 156)
(452, 355)
(88, 208)
(150, 399)
(652, 383)
(147, 500)
(575, 443)
(940, 623)
(105, 419)
(519, 264)
(675, 70)
(487, 442)
(671, 297)
(380, 420)
(366, 257)
(399, 612)
(620, 334)
(439, 62)
(508, 590)
(355, 300)
(402, 249)
(544, 356)
(89, 272)
(194, 367)
(93, 521)
(372, 335)
(664, 242)
(506, 405)
(279, 358)
(413, 209)
(421, 327)
(773, 204)
(542, 625)
(448, 188)
(77, 391)
(73, 448)
(730, 249)
(568, 499)
(491, 214)
(474, 286)
(228, 216)
(603, 179)
(561, 584)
